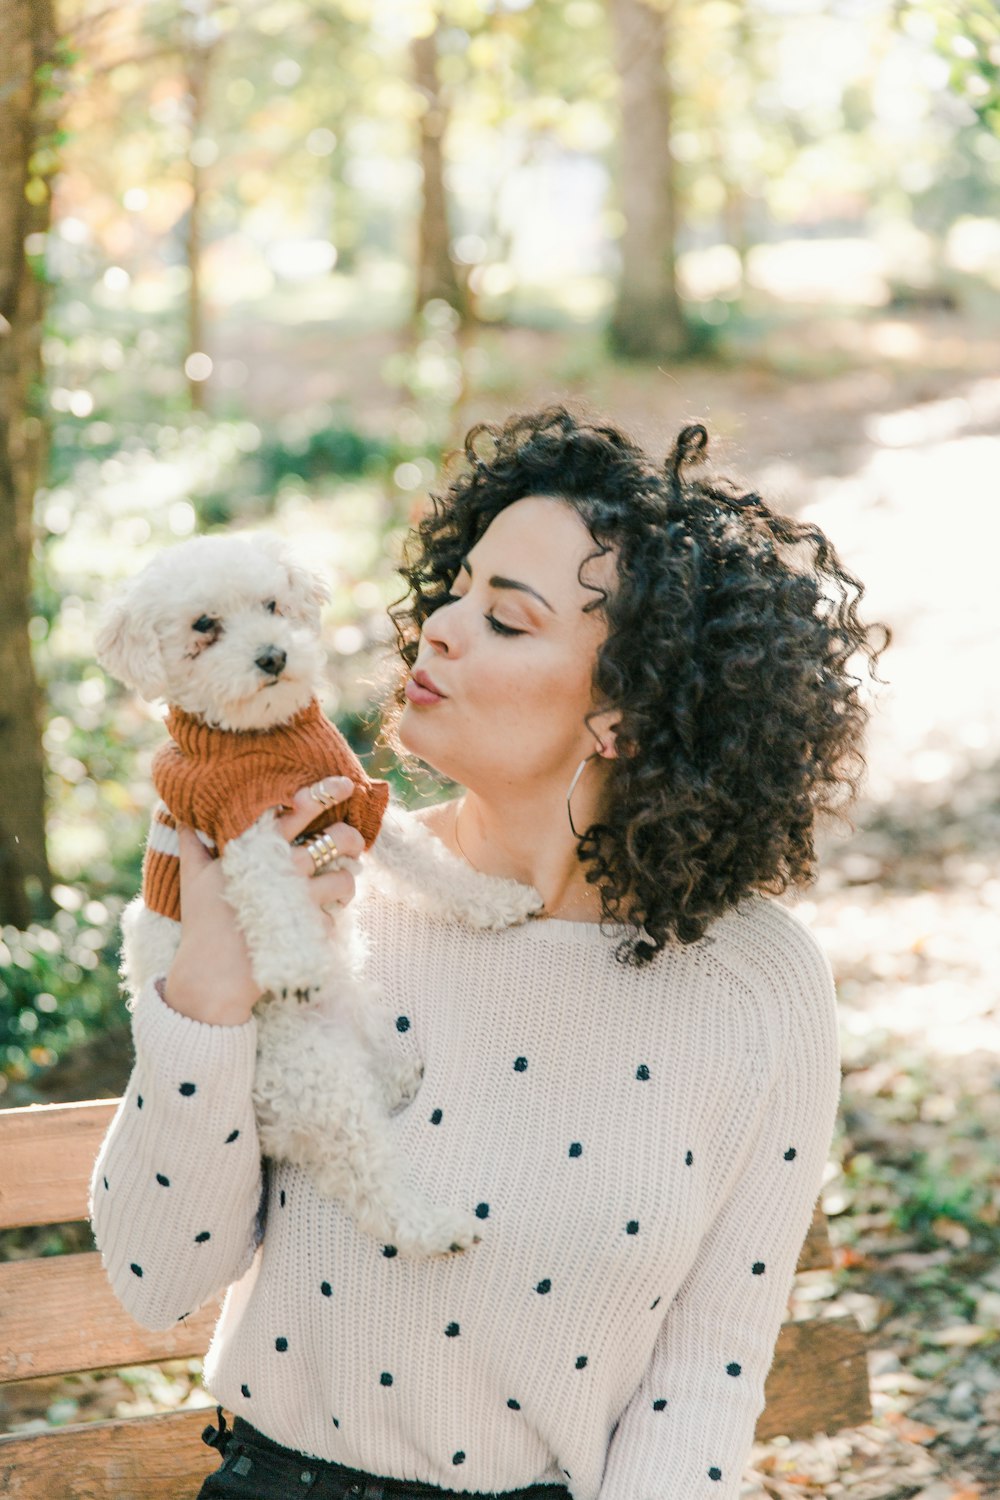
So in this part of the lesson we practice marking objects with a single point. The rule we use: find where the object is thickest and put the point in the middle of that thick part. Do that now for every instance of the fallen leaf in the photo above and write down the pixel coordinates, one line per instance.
(960, 1335)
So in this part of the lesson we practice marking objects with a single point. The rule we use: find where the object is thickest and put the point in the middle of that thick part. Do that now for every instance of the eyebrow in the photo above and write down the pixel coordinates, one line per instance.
(496, 582)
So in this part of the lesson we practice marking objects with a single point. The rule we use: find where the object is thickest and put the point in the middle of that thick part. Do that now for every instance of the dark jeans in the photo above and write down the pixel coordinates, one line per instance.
(257, 1468)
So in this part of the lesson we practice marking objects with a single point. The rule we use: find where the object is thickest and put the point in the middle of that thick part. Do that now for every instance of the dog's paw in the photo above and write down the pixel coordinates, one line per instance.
(439, 1231)
(402, 1082)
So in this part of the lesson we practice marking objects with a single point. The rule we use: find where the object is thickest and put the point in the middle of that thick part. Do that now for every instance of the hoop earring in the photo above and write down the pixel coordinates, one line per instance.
(595, 755)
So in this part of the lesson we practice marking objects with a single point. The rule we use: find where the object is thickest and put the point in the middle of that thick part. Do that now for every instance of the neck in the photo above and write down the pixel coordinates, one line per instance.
(529, 840)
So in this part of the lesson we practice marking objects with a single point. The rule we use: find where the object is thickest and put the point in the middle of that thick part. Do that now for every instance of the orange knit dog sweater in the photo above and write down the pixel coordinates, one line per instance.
(219, 781)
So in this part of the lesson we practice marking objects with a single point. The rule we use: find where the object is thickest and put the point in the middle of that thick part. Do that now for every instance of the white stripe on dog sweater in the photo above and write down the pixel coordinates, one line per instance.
(644, 1148)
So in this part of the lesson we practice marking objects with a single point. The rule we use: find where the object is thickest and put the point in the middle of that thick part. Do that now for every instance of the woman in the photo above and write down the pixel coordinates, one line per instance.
(639, 676)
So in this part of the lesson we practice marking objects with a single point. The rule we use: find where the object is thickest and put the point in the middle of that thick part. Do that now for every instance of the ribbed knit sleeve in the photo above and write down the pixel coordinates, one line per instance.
(177, 1182)
(688, 1429)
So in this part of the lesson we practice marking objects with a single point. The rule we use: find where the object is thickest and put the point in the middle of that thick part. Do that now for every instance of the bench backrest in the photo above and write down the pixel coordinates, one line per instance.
(58, 1315)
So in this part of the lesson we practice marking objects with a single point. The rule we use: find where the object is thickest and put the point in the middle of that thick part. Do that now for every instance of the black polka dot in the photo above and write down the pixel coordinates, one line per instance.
(106, 1188)
(437, 1117)
(385, 1378)
(733, 1368)
(714, 1473)
(183, 1317)
(136, 1270)
(642, 1072)
(581, 1361)
(336, 1422)
(576, 1149)
(402, 1023)
(520, 1063)
(660, 1405)
(452, 1331)
(187, 1089)
(544, 1286)
(790, 1154)
(246, 1391)
(654, 1304)
(163, 1181)
(688, 1159)
(281, 1198)
(632, 1227)
(389, 1251)
(482, 1210)
(458, 1458)
(200, 1239)
(326, 1289)
(757, 1268)
(567, 1473)
(233, 1134)
(514, 1405)
(139, 1101)
(281, 1345)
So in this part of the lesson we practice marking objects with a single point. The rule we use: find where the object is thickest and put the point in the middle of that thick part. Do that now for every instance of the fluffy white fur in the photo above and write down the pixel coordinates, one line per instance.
(328, 1071)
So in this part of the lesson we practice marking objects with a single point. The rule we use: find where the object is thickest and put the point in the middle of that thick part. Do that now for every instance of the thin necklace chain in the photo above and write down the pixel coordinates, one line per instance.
(538, 915)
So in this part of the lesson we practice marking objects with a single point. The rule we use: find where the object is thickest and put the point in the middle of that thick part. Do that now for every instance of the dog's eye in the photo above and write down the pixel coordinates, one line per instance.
(204, 623)
(271, 606)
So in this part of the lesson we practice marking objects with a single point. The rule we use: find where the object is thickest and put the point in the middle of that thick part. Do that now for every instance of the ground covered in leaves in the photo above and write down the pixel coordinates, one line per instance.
(881, 432)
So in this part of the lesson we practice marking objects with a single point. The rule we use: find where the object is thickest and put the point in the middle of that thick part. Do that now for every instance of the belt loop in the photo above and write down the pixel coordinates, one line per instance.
(218, 1437)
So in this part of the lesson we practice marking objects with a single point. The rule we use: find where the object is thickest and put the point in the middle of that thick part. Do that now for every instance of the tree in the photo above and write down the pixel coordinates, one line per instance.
(436, 275)
(28, 29)
(648, 320)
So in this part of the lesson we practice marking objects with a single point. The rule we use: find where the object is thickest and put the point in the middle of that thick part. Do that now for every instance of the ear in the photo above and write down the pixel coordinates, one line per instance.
(604, 728)
(128, 648)
(308, 591)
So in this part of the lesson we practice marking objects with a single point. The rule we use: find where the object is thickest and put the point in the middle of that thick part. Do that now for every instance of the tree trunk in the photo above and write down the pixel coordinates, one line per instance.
(648, 321)
(436, 273)
(28, 30)
(197, 57)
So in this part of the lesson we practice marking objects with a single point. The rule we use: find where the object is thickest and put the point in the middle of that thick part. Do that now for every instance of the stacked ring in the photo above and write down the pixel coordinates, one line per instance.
(323, 851)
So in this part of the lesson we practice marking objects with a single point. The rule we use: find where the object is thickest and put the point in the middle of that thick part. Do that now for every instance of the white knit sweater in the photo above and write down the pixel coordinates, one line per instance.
(644, 1148)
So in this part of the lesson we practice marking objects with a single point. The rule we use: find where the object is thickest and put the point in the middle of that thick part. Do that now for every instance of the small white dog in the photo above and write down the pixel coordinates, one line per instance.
(226, 629)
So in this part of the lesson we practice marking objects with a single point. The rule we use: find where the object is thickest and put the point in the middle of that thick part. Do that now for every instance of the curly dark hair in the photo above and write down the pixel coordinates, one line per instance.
(729, 634)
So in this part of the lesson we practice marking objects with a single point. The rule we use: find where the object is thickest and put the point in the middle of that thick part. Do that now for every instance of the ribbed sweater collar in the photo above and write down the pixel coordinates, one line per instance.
(201, 740)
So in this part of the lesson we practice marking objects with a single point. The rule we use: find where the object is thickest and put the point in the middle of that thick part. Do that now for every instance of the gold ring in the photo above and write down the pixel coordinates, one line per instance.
(323, 852)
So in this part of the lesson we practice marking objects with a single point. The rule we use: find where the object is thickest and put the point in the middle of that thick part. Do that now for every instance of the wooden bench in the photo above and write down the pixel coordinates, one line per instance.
(58, 1315)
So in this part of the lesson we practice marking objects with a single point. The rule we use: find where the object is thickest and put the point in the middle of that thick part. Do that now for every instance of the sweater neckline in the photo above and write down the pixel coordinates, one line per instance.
(414, 865)
(195, 737)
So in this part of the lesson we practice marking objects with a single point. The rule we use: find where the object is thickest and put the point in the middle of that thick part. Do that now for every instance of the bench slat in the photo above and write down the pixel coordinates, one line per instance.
(818, 1381)
(138, 1458)
(59, 1314)
(48, 1153)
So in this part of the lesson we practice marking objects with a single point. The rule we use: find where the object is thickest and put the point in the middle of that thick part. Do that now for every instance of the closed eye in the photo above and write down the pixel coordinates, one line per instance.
(500, 628)
(497, 626)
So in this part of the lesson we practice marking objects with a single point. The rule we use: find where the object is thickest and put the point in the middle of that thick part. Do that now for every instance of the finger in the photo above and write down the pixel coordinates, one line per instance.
(193, 854)
(313, 855)
(310, 800)
(336, 888)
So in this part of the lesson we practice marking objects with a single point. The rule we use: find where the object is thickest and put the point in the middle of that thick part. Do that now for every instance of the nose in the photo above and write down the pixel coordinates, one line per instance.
(442, 629)
(272, 660)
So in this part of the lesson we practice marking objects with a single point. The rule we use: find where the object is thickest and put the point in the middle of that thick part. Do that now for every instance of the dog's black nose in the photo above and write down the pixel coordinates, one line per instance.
(272, 659)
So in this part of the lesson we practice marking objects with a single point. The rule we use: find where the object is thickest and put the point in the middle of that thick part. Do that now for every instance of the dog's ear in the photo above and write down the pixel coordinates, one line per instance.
(128, 648)
(309, 592)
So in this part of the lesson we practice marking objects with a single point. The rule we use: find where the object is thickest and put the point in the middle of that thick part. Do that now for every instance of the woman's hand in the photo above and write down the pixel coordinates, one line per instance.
(211, 979)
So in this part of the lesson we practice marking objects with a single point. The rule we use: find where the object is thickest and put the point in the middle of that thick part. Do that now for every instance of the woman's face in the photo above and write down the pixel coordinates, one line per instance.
(507, 663)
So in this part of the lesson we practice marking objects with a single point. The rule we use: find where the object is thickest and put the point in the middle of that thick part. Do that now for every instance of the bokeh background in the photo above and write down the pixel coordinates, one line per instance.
(265, 263)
